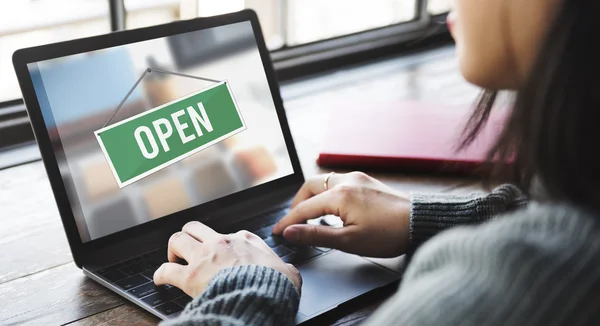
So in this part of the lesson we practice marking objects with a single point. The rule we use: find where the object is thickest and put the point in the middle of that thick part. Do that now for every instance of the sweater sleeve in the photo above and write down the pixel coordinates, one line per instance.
(432, 213)
(243, 295)
(531, 267)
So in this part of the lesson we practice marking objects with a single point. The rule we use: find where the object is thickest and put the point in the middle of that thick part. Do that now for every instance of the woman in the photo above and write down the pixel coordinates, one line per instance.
(505, 260)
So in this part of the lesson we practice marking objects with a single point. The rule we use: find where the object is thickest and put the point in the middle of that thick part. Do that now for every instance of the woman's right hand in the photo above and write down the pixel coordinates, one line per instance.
(376, 218)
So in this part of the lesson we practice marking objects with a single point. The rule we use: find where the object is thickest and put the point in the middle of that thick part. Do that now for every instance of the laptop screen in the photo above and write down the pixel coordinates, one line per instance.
(147, 129)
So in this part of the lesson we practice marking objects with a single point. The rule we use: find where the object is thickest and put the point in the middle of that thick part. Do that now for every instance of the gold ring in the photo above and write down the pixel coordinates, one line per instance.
(326, 182)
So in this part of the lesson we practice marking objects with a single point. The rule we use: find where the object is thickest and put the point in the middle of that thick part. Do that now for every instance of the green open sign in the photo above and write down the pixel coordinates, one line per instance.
(150, 141)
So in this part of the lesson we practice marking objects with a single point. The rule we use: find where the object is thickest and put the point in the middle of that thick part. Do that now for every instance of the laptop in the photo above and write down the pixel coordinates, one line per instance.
(142, 131)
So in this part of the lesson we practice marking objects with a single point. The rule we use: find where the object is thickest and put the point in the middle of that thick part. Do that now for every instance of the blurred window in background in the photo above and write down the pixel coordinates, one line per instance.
(144, 13)
(315, 20)
(285, 23)
(25, 23)
(436, 7)
(300, 33)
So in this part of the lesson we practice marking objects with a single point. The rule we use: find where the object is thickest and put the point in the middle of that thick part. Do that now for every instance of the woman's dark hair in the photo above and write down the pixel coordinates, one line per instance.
(555, 120)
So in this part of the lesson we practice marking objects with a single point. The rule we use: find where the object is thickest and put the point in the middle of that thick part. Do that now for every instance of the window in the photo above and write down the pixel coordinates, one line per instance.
(285, 23)
(303, 35)
(143, 13)
(46, 22)
(315, 20)
(436, 7)
(288, 23)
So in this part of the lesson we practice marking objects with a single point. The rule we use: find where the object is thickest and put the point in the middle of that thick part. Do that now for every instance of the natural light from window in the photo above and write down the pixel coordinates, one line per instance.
(284, 22)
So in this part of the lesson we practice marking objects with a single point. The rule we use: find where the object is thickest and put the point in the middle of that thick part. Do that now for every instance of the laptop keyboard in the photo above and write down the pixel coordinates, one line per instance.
(135, 275)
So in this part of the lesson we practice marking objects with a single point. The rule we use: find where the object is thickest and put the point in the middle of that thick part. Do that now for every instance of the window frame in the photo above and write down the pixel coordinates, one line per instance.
(420, 21)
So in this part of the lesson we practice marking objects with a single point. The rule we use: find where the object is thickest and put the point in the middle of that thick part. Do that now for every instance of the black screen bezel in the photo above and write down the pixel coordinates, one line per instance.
(25, 56)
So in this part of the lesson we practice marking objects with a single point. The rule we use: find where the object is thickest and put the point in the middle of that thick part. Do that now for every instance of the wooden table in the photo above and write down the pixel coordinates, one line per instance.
(40, 285)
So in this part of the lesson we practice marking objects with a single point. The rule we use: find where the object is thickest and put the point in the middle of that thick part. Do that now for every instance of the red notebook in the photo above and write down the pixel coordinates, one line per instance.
(405, 136)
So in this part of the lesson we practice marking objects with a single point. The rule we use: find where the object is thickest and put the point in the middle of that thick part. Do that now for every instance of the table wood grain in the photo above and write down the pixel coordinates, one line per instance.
(40, 285)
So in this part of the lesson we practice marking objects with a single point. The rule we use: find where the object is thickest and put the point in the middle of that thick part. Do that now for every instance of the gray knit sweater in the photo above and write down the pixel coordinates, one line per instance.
(534, 264)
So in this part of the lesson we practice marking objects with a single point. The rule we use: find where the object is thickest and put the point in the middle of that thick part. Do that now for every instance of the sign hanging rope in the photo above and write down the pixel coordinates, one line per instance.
(148, 71)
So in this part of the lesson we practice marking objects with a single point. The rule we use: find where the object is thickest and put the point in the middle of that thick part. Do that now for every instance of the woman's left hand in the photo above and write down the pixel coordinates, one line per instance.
(207, 252)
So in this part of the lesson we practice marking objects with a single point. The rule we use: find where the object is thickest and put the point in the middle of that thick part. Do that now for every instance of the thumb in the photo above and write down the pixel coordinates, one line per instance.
(315, 235)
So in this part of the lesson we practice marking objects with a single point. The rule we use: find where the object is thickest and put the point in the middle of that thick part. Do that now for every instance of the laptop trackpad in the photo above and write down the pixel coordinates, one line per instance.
(336, 278)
